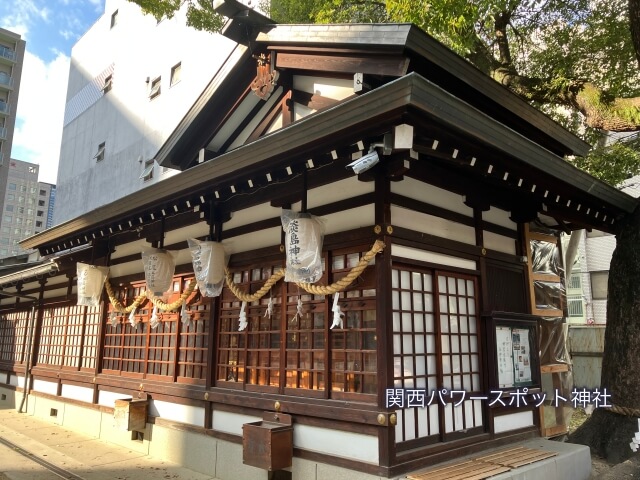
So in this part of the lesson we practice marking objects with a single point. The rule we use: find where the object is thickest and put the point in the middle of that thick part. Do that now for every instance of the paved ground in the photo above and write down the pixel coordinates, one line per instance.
(31, 449)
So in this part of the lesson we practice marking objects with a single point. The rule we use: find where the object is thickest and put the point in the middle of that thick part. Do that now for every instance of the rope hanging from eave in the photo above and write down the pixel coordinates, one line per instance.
(312, 288)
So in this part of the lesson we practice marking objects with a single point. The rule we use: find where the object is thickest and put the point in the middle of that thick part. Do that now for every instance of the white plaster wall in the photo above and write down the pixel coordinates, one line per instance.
(432, 195)
(499, 217)
(436, 226)
(231, 422)
(499, 243)
(82, 394)
(504, 423)
(108, 399)
(177, 413)
(359, 447)
(132, 126)
(45, 387)
(432, 257)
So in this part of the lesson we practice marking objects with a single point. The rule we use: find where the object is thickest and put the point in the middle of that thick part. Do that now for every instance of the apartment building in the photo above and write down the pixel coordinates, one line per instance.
(132, 79)
(27, 206)
(11, 59)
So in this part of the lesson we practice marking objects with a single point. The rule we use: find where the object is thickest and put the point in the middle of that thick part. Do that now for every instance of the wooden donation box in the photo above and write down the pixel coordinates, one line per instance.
(130, 414)
(268, 443)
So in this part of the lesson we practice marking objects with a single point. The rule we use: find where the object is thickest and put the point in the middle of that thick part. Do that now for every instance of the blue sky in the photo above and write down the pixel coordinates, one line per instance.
(50, 28)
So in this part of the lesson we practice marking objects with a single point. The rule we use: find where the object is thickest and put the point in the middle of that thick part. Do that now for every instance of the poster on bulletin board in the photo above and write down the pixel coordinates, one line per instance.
(513, 351)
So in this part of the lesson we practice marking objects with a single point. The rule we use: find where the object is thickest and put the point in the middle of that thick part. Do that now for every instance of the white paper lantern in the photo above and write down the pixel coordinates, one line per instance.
(209, 260)
(90, 283)
(303, 244)
(159, 267)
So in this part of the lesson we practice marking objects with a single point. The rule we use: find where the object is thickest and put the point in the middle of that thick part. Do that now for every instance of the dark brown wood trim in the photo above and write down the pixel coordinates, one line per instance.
(394, 66)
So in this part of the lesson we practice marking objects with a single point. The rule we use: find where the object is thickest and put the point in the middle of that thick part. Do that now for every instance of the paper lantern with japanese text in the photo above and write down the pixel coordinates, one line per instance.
(159, 267)
(90, 283)
(303, 246)
(209, 260)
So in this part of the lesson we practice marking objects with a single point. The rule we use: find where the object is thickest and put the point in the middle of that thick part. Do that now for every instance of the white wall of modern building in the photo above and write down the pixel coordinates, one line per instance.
(131, 80)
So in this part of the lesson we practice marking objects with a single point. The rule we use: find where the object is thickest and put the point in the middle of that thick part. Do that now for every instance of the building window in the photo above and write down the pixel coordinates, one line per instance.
(9, 208)
(32, 190)
(147, 173)
(40, 213)
(41, 203)
(20, 209)
(23, 188)
(99, 156)
(12, 186)
(114, 19)
(11, 196)
(6, 230)
(107, 83)
(32, 169)
(574, 305)
(436, 343)
(38, 224)
(176, 73)
(43, 193)
(599, 281)
(4, 241)
(155, 88)
(16, 231)
(8, 218)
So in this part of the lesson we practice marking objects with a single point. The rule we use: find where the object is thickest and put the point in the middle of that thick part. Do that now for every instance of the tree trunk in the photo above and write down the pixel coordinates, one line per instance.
(607, 433)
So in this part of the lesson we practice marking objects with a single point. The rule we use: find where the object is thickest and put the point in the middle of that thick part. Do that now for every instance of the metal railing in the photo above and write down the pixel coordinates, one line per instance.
(4, 107)
(3, 133)
(6, 79)
(8, 53)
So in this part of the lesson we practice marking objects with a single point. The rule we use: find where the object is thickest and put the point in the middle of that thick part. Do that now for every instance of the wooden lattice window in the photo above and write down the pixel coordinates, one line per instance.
(436, 346)
(353, 348)
(13, 333)
(172, 351)
(295, 352)
(51, 348)
(91, 337)
(73, 336)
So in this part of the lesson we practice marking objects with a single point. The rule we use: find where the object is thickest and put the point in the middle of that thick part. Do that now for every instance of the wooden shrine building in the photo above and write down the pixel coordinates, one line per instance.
(469, 179)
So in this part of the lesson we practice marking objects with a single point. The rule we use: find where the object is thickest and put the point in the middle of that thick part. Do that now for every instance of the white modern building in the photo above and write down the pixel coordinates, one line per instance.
(131, 80)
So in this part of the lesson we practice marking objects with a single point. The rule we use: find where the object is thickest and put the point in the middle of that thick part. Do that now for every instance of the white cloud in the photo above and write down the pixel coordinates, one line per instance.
(40, 115)
(24, 13)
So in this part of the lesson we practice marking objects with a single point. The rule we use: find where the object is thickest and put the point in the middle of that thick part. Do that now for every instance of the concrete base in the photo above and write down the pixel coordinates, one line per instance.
(220, 459)
(572, 462)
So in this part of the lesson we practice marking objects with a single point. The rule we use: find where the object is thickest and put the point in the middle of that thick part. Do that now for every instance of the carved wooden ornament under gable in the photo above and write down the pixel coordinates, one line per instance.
(266, 77)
